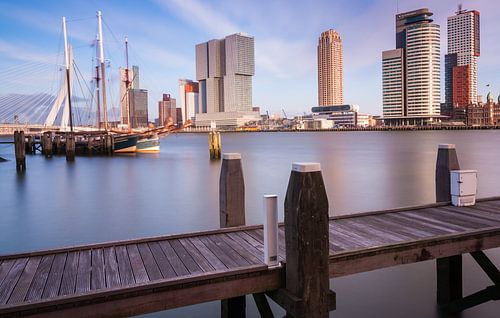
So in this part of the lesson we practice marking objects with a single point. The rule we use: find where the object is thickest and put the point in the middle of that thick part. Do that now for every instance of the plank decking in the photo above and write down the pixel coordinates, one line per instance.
(144, 275)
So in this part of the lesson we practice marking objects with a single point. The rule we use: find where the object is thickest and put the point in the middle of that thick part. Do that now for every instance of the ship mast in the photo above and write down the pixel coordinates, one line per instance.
(127, 85)
(97, 78)
(66, 54)
(103, 82)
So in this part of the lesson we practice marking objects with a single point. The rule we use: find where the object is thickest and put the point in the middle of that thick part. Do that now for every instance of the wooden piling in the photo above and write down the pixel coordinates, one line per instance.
(29, 148)
(232, 213)
(307, 242)
(70, 146)
(47, 144)
(448, 269)
(20, 149)
(214, 146)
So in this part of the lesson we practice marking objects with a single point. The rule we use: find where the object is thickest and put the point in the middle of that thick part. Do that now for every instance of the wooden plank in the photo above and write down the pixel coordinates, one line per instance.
(5, 268)
(140, 274)
(84, 271)
(22, 286)
(244, 252)
(124, 267)
(228, 250)
(196, 255)
(406, 228)
(482, 214)
(472, 217)
(259, 254)
(186, 259)
(487, 210)
(42, 272)
(152, 269)
(228, 261)
(164, 265)
(346, 240)
(452, 220)
(460, 219)
(173, 258)
(98, 278)
(432, 220)
(387, 228)
(68, 283)
(10, 281)
(55, 276)
(422, 222)
(424, 230)
(207, 253)
(111, 270)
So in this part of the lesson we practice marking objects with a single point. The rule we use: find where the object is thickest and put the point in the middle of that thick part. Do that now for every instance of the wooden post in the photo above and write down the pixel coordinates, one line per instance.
(307, 241)
(232, 213)
(214, 147)
(29, 145)
(20, 149)
(448, 269)
(57, 145)
(70, 146)
(47, 144)
(90, 140)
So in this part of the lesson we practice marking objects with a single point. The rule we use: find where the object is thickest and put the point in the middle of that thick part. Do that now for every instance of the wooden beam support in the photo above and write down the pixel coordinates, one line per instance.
(478, 298)
(263, 305)
(449, 269)
(487, 265)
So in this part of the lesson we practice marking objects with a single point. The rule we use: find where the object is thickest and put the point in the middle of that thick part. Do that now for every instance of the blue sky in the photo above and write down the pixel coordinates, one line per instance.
(163, 33)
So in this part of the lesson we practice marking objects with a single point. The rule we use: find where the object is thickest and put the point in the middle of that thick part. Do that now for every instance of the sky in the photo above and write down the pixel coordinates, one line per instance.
(163, 34)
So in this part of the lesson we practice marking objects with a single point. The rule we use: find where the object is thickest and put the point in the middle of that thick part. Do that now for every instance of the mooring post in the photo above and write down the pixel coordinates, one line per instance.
(57, 144)
(29, 145)
(20, 149)
(448, 269)
(47, 144)
(214, 147)
(70, 146)
(232, 213)
(307, 242)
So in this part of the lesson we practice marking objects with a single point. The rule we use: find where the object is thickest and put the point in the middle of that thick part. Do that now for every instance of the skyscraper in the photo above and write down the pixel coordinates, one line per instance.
(138, 105)
(411, 72)
(224, 69)
(330, 78)
(188, 99)
(167, 110)
(461, 60)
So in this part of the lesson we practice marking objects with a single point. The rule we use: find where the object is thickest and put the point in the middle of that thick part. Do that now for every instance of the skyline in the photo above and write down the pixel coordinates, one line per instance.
(166, 33)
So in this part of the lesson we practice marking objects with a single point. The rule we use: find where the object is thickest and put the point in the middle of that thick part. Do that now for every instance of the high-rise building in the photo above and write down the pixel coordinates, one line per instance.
(167, 110)
(411, 72)
(224, 69)
(461, 60)
(330, 78)
(188, 99)
(138, 104)
(138, 107)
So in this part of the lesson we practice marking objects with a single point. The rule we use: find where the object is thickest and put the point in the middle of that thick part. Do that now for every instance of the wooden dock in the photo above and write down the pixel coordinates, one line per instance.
(144, 275)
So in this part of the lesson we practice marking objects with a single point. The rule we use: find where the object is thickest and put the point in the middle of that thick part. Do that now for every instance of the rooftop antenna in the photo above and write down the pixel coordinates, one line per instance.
(460, 10)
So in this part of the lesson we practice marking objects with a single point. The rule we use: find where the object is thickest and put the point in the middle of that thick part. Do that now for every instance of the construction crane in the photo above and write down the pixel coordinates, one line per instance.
(283, 110)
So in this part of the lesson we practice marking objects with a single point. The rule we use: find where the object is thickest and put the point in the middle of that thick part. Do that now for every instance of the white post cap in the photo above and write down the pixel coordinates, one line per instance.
(306, 166)
(231, 155)
(446, 146)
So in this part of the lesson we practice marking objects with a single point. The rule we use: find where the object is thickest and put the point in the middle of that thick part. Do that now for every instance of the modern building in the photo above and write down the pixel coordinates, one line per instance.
(188, 99)
(339, 115)
(224, 69)
(330, 71)
(411, 72)
(461, 60)
(133, 99)
(167, 110)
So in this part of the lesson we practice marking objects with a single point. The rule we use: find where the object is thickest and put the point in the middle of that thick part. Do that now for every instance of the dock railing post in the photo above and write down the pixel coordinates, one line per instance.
(448, 269)
(307, 243)
(232, 213)
(70, 146)
(271, 230)
(20, 149)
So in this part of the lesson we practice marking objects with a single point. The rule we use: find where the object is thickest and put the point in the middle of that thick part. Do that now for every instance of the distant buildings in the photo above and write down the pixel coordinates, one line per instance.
(133, 99)
(224, 69)
(330, 80)
(167, 110)
(483, 114)
(411, 72)
(461, 61)
(188, 99)
(339, 116)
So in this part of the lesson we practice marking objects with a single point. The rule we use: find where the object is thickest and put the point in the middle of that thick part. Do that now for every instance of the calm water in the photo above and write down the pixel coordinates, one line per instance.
(99, 199)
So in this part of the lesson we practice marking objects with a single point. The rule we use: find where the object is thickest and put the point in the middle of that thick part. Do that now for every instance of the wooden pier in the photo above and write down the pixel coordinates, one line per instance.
(151, 274)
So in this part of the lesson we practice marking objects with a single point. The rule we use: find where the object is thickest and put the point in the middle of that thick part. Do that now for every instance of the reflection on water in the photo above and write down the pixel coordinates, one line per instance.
(99, 199)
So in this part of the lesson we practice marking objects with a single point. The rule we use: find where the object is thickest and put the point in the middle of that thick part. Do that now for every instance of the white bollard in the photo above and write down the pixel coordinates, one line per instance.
(271, 230)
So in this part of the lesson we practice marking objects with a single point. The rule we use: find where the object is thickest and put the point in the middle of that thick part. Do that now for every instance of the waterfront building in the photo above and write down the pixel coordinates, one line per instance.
(411, 72)
(339, 115)
(330, 71)
(461, 60)
(133, 98)
(224, 70)
(188, 99)
(130, 76)
(480, 114)
(167, 110)
(138, 107)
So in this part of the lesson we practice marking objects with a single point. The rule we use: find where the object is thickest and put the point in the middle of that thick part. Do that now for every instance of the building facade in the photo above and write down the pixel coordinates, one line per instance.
(224, 70)
(188, 99)
(461, 60)
(138, 107)
(483, 114)
(133, 99)
(167, 110)
(330, 69)
(411, 72)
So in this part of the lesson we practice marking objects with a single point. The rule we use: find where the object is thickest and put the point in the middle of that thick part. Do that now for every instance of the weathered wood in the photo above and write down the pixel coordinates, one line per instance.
(306, 230)
(173, 258)
(20, 151)
(47, 144)
(152, 269)
(111, 268)
(98, 279)
(84, 271)
(68, 283)
(448, 270)
(124, 267)
(29, 145)
(488, 267)
(22, 286)
(140, 274)
(231, 191)
(37, 285)
(10, 281)
(186, 259)
(200, 260)
(55, 276)
(163, 264)
(70, 146)
(263, 305)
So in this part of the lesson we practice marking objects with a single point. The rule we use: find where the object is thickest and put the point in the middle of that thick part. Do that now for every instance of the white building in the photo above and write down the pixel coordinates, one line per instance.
(188, 99)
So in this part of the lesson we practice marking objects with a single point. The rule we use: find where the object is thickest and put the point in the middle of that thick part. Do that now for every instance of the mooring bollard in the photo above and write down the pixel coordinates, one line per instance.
(20, 149)
(70, 146)
(307, 242)
(448, 269)
(47, 144)
(232, 213)
(214, 146)
(271, 230)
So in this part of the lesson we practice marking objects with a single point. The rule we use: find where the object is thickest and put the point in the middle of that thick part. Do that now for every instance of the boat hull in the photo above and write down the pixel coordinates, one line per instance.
(148, 145)
(125, 144)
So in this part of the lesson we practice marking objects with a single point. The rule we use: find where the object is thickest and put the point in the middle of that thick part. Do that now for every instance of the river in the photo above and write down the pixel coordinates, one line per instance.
(96, 199)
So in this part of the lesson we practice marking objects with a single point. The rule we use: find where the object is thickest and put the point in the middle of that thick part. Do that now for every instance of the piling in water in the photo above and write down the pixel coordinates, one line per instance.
(20, 149)
(70, 146)
(214, 146)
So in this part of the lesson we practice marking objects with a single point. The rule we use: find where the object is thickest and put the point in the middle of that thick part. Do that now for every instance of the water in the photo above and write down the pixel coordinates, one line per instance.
(99, 199)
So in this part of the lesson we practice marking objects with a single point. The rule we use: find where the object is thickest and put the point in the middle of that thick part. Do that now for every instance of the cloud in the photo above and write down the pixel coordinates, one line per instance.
(26, 53)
